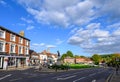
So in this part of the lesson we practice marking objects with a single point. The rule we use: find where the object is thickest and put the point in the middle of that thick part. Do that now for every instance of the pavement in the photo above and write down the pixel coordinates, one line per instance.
(115, 77)
(18, 68)
(36, 68)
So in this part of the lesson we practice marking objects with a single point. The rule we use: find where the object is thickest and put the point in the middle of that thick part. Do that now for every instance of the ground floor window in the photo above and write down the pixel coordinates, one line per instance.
(2, 46)
(11, 61)
(1, 61)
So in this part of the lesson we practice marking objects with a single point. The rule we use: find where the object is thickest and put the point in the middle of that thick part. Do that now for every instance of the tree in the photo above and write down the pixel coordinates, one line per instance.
(63, 56)
(69, 53)
(77, 56)
(96, 58)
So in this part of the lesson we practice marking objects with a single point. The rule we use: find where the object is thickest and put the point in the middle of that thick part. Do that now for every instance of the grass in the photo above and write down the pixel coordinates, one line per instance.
(79, 66)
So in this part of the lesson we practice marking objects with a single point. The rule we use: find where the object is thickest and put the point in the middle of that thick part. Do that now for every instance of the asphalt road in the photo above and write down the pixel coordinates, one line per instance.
(31, 75)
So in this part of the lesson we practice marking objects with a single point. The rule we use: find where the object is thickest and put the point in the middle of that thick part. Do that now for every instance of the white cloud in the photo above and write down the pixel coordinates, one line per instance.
(98, 21)
(112, 9)
(65, 13)
(26, 20)
(116, 33)
(50, 46)
(73, 30)
(100, 33)
(62, 13)
(93, 26)
(2, 2)
(30, 27)
(58, 41)
(97, 40)
(37, 46)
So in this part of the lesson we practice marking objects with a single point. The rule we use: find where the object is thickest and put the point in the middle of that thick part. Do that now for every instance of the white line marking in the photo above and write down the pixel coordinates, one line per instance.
(5, 76)
(94, 80)
(66, 77)
(61, 76)
(79, 79)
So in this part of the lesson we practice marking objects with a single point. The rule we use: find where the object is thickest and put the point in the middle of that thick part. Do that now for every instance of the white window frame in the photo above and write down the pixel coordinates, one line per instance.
(3, 49)
(12, 37)
(13, 48)
(20, 51)
(26, 50)
(1, 59)
(20, 40)
(27, 42)
(3, 35)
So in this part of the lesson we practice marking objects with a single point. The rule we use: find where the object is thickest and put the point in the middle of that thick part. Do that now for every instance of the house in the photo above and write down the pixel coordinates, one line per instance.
(43, 58)
(78, 60)
(34, 57)
(83, 60)
(69, 60)
(14, 49)
(50, 57)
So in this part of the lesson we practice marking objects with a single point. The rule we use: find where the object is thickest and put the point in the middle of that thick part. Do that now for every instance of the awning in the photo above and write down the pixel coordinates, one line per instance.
(13, 56)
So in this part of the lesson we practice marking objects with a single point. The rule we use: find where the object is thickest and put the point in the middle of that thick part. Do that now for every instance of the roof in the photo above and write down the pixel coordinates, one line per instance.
(13, 32)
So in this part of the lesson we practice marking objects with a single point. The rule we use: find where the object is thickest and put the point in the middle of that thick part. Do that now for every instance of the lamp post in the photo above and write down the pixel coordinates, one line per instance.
(117, 64)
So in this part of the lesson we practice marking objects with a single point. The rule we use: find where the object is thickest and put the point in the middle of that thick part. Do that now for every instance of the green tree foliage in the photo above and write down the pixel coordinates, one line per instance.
(96, 58)
(77, 56)
(109, 59)
(69, 53)
(63, 56)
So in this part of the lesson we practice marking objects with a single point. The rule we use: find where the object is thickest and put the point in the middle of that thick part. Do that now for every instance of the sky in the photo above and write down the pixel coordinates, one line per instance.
(85, 27)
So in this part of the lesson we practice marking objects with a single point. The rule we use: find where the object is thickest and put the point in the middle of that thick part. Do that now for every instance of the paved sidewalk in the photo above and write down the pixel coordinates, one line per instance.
(19, 68)
(115, 77)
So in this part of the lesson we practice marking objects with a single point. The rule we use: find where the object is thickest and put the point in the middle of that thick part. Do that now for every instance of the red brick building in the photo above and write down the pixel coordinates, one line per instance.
(83, 60)
(69, 60)
(14, 48)
(78, 60)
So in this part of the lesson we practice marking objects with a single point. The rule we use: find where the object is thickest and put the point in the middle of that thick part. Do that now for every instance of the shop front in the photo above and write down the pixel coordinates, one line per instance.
(7, 62)
(1, 61)
(34, 60)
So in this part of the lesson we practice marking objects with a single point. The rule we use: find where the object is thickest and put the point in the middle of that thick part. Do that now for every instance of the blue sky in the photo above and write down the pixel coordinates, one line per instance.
(84, 27)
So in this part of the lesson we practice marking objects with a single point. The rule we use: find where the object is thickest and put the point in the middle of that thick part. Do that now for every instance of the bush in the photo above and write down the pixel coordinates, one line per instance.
(78, 66)
(61, 67)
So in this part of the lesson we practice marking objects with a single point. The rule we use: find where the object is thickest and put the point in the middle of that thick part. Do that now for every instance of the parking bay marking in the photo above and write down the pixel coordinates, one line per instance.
(79, 79)
(5, 76)
(66, 77)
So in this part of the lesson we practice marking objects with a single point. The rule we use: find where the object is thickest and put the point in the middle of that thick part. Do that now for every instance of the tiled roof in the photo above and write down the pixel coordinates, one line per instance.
(3, 28)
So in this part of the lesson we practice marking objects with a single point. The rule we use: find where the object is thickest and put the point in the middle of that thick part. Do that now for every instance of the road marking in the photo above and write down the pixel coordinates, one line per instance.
(61, 76)
(79, 79)
(94, 80)
(5, 76)
(66, 77)
(15, 79)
